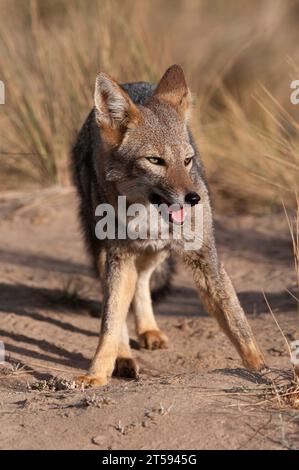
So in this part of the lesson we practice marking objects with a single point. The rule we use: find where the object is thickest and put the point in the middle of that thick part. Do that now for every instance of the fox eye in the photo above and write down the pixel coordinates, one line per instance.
(187, 161)
(156, 160)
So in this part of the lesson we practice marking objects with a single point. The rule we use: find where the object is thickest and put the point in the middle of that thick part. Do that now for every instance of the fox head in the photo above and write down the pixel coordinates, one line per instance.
(150, 156)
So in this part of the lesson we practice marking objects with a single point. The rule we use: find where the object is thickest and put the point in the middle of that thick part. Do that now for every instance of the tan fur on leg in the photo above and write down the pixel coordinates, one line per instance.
(220, 299)
(120, 288)
(150, 337)
(125, 365)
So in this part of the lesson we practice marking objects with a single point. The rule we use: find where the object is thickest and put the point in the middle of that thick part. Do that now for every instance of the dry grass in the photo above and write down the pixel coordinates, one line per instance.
(240, 58)
(293, 224)
(54, 384)
(282, 395)
(285, 394)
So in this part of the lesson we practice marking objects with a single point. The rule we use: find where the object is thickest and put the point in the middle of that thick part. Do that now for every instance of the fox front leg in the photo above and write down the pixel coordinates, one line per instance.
(119, 290)
(149, 334)
(125, 365)
(220, 300)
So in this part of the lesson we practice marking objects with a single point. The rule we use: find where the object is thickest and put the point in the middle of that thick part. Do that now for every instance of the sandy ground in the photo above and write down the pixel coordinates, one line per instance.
(196, 395)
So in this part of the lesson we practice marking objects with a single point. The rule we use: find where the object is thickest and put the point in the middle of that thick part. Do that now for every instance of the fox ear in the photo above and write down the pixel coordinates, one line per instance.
(173, 89)
(115, 111)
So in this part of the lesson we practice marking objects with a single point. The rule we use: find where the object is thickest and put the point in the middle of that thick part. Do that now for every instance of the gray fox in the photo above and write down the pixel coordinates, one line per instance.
(136, 142)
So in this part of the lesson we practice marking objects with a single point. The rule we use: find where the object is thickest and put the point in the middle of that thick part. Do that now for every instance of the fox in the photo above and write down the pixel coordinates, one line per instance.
(137, 142)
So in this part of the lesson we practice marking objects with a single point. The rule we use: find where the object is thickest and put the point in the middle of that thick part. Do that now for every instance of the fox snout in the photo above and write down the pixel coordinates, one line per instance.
(192, 198)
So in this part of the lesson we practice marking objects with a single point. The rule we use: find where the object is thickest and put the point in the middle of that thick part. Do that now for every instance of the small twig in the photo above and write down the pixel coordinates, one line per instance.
(34, 364)
(292, 295)
(277, 324)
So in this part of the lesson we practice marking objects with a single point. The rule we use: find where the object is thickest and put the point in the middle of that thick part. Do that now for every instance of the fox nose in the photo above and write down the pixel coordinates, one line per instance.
(192, 198)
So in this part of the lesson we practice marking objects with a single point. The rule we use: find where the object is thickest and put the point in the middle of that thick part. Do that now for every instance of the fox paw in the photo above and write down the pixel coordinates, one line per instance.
(126, 367)
(91, 380)
(153, 339)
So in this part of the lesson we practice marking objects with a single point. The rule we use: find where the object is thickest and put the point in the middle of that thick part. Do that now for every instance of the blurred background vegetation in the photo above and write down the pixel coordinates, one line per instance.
(240, 57)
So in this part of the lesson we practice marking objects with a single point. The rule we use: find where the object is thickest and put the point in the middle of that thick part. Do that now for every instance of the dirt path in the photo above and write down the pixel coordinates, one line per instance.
(195, 395)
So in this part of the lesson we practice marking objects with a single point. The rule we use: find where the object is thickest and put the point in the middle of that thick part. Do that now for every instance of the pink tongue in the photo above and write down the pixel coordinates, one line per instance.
(178, 216)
